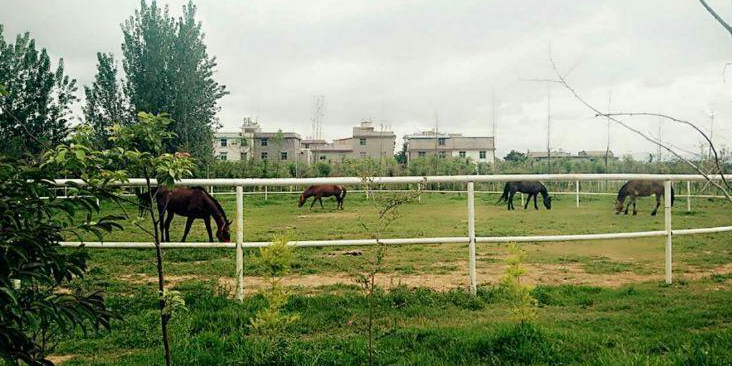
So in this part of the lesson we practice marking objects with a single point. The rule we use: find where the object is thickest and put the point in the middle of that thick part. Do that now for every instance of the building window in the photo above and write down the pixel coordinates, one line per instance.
(421, 153)
(362, 141)
(222, 156)
(264, 142)
(223, 142)
(482, 154)
(243, 156)
(441, 141)
(363, 154)
(322, 157)
(461, 154)
(283, 155)
(264, 155)
(441, 154)
(307, 146)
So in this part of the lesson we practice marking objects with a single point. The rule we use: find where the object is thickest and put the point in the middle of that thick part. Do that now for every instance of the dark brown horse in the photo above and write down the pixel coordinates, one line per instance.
(640, 188)
(193, 203)
(318, 192)
(530, 187)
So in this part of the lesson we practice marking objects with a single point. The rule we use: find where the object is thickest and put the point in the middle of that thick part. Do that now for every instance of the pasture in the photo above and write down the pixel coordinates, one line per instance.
(601, 302)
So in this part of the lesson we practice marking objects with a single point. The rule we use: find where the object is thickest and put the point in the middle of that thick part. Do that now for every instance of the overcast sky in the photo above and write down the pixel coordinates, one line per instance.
(404, 63)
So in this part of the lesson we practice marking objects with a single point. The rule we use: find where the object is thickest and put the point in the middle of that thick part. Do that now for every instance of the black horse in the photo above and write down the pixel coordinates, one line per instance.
(532, 188)
(640, 188)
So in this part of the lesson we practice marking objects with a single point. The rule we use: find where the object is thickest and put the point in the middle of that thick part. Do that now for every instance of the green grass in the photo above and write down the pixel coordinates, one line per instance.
(641, 322)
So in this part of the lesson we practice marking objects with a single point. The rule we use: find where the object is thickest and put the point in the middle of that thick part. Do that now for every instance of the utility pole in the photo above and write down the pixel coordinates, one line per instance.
(607, 147)
(548, 127)
(493, 119)
(660, 136)
(318, 114)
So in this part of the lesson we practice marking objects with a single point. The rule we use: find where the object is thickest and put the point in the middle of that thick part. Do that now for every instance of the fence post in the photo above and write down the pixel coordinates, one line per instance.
(522, 199)
(239, 241)
(688, 195)
(667, 220)
(419, 192)
(576, 194)
(471, 235)
(265, 193)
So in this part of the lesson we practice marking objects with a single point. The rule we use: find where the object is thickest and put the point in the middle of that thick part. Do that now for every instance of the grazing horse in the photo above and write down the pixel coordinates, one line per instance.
(640, 188)
(318, 192)
(532, 188)
(193, 203)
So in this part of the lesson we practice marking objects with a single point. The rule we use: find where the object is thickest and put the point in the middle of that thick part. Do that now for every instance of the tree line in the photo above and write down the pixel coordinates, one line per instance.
(167, 69)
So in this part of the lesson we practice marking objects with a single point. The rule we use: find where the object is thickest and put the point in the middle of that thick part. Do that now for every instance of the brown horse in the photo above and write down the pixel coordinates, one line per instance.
(318, 192)
(640, 188)
(193, 203)
(530, 187)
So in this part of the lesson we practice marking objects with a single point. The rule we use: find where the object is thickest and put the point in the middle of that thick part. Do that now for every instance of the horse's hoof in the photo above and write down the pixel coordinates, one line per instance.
(653, 213)
(635, 213)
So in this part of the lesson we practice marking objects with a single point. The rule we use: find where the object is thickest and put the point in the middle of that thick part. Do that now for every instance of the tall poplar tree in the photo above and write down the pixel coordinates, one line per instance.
(34, 114)
(106, 104)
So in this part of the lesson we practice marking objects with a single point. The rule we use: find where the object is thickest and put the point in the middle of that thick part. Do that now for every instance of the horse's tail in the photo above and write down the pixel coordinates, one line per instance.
(504, 196)
(143, 201)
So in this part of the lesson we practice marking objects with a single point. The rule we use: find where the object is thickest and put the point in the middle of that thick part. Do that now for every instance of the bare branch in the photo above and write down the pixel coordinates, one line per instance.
(716, 16)
(611, 117)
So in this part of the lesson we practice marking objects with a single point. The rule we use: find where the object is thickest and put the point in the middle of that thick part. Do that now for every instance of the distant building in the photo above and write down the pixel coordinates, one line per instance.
(252, 143)
(365, 142)
(477, 148)
(582, 155)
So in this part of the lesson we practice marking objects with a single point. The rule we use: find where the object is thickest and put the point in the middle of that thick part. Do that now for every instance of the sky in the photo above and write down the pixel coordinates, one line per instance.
(410, 65)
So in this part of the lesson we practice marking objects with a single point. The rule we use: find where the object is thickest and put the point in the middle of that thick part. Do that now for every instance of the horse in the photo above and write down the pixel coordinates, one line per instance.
(193, 203)
(532, 188)
(318, 192)
(640, 188)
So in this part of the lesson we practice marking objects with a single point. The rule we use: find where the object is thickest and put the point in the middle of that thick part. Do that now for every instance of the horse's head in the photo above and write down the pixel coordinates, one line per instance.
(618, 206)
(223, 233)
(302, 200)
(548, 202)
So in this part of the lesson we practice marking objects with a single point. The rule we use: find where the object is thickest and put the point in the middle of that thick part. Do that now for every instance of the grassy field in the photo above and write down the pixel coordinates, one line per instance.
(601, 302)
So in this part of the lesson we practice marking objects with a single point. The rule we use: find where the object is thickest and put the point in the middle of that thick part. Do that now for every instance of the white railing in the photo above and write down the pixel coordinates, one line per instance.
(471, 239)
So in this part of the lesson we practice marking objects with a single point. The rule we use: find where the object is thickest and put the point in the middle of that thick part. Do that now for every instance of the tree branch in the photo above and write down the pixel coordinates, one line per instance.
(716, 16)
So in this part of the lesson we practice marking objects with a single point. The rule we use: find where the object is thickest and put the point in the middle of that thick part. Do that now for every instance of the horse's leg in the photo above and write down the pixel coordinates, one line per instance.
(161, 217)
(320, 199)
(166, 231)
(535, 206)
(510, 201)
(528, 199)
(630, 201)
(658, 203)
(312, 203)
(189, 222)
(207, 221)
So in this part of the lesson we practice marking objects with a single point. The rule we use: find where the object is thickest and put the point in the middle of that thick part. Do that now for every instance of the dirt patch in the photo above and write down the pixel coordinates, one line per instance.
(59, 359)
(339, 214)
(536, 274)
(170, 280)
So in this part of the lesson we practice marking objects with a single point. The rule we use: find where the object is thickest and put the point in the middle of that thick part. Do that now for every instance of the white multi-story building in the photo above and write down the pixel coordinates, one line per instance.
(478, 149)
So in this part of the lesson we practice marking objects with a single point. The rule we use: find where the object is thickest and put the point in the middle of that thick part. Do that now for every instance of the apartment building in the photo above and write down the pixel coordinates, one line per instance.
(477, 148)
(596, 155)
(365, 142)
(252, 143)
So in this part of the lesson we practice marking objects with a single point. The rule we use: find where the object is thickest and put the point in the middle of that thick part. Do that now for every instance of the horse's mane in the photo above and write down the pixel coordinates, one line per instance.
(623, 191)
(218, 205)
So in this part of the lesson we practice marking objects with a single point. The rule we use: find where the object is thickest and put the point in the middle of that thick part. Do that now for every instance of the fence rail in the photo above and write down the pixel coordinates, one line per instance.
(471, 239)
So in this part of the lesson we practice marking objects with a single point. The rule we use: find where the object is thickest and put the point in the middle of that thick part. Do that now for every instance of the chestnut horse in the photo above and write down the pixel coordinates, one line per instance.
(532, 188)
(318, 192)
(193, 203)
(640, 188)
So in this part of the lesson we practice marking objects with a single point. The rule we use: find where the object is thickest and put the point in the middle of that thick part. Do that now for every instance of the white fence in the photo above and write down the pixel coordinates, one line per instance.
(471, 239)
